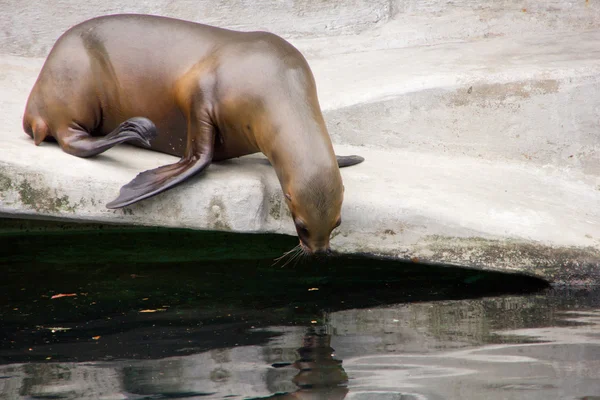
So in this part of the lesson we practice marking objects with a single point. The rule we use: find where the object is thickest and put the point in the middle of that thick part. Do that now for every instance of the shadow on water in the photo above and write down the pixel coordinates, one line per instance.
(156, 313)
(205, 280)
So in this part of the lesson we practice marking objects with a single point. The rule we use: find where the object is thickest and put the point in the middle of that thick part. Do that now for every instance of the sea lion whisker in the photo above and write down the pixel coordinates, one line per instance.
(287, 253)
(295, 255)
(302, 256)
(293, 249)
(289, 261)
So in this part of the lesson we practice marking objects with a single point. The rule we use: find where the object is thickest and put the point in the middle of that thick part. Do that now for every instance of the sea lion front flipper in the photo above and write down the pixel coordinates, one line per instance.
(347, 161)
(199, 153)
(154, 181)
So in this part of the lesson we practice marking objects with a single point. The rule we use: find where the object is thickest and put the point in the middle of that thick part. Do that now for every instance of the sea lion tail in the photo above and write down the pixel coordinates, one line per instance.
(348, 161)
(36, 128)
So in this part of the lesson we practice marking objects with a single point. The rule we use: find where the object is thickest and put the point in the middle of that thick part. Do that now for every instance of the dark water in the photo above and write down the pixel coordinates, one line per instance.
(157, 314)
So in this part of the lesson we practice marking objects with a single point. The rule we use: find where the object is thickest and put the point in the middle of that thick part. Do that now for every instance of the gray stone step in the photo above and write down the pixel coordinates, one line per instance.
(527, 99)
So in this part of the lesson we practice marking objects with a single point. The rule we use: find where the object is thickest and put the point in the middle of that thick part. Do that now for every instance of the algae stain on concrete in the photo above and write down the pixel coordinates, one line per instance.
(556, 264)
(42, 200)
(275, 206)
(126, 211)
(5, 183)
(278, 210)
(499, 94)
(217, 215)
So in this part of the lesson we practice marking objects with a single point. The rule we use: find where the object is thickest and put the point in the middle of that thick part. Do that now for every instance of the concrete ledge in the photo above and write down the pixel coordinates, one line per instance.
(482, 154)
(407, 205)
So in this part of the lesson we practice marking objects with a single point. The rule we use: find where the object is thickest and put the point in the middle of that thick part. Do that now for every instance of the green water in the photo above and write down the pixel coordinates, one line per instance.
(157, 313)
(118, 270)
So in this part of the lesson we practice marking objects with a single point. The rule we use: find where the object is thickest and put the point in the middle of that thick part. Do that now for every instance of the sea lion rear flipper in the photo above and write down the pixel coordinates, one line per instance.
(76, 141)
(347, 161)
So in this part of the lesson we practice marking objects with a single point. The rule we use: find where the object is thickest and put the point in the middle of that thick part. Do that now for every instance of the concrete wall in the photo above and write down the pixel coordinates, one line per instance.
(29, 28)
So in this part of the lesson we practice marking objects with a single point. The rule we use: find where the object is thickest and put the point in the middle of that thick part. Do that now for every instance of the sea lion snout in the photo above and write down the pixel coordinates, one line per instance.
(316, 244)
(322, 252)
(316, 251)
(315, 205)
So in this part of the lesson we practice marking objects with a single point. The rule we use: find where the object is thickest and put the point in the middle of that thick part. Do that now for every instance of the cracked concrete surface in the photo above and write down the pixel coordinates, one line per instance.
(482, 146)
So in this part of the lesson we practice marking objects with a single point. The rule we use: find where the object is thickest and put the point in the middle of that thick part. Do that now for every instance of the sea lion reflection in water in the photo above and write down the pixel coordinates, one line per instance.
(213, 94)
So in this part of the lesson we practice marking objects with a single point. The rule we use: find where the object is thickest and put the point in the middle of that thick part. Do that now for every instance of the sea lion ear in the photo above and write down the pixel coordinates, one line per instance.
(288, 196)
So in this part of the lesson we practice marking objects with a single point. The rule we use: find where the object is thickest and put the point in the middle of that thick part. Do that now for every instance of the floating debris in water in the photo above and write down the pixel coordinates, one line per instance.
(58, 296)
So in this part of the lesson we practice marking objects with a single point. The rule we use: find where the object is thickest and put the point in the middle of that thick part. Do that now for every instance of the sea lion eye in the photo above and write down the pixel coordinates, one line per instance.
(302, 228)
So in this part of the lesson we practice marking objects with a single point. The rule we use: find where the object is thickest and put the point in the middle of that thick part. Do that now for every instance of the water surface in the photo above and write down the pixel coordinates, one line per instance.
(162, 314)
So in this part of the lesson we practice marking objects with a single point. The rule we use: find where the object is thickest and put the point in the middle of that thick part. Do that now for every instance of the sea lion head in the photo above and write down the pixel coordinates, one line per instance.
(316, 206)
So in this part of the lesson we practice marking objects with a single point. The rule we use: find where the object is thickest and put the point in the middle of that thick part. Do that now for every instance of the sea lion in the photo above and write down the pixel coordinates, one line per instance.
(213, 94)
